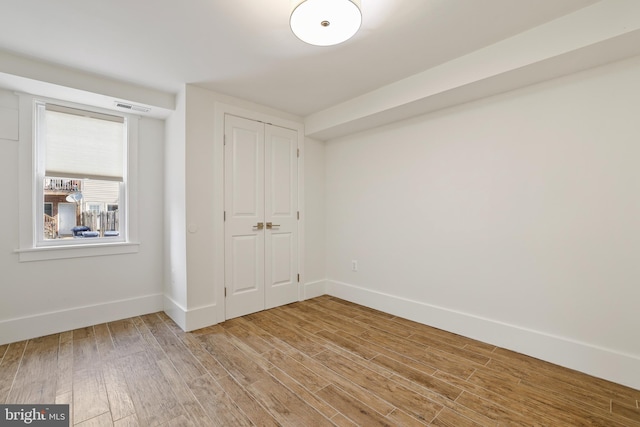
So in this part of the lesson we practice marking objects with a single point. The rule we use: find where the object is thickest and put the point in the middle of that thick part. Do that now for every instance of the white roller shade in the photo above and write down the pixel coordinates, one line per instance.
(81, 144)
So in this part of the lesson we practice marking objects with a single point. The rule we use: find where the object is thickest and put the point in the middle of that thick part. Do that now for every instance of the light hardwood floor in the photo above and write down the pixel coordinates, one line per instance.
(319, 362)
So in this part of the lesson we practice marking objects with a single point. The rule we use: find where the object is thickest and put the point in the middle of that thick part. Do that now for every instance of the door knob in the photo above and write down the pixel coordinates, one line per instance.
(259, 226)
(270, 225)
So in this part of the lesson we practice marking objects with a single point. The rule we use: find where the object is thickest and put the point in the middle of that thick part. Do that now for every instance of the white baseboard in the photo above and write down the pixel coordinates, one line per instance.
(176, 312)
(314, 289)
(590, 359)
(190, 320)
(38, 325)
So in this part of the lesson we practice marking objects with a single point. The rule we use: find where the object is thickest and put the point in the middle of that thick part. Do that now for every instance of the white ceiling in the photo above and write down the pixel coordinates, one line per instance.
(245, 48)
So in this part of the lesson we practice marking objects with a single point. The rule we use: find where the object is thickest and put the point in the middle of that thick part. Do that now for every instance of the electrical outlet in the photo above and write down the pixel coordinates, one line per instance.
(354, 265)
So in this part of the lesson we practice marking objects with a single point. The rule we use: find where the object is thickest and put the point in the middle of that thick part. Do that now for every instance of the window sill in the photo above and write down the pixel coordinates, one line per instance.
(77, 251)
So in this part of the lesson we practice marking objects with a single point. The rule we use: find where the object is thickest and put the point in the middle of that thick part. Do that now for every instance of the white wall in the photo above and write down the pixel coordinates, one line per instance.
(514, 220)
(314, 220)
(42, 297)
(202, 299)
(175, 252)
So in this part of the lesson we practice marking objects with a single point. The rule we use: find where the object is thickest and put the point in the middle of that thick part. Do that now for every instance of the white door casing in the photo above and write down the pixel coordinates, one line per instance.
(261, 242)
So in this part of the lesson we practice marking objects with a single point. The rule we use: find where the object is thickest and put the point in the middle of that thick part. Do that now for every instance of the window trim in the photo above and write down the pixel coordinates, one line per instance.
(30, 204)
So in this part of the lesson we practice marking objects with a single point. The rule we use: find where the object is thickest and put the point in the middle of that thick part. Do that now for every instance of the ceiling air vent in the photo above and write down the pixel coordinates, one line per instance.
(132, 107)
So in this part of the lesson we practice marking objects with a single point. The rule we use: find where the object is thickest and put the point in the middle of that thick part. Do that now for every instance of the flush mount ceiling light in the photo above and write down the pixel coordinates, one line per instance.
(325, 22)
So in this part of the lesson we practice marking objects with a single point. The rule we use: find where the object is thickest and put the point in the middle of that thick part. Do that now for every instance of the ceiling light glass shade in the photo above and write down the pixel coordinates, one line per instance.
(325, 22)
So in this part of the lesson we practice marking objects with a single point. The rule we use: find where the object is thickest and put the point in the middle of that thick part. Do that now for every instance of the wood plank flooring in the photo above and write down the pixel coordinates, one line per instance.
(319, 362)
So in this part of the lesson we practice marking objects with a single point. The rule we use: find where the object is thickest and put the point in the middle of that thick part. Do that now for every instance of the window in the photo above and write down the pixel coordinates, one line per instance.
(82, 186)
(81, 156)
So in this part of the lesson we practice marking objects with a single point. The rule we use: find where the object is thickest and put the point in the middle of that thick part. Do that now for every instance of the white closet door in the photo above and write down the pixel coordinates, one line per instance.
(261, 224)
(244, 216)
(281, 222)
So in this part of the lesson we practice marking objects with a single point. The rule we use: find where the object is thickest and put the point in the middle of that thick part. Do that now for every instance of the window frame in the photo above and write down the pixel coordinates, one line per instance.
(33, 246)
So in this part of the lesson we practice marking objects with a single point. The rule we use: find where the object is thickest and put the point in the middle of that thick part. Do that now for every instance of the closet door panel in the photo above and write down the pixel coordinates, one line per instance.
(244, 214)
(281, 208)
